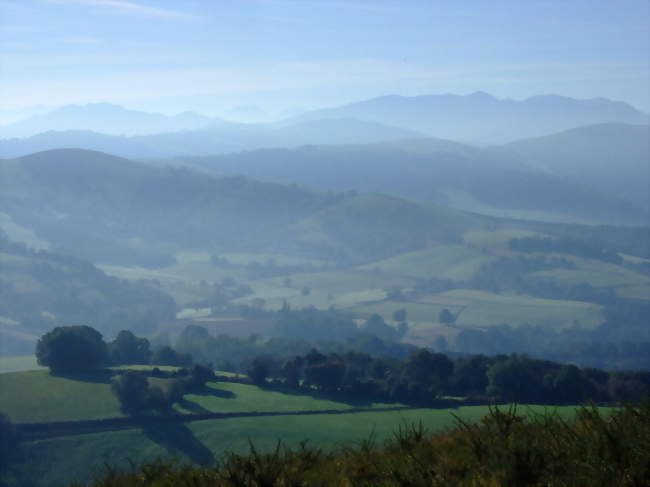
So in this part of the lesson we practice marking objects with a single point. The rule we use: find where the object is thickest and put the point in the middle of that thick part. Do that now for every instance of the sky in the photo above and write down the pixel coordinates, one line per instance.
(273, 58)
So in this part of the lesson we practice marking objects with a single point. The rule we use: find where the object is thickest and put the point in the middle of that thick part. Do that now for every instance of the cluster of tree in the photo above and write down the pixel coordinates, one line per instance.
(236, 354)
(68, 349)
(313, 324)
(572, 246)
(608, 346)
(266, 269)
(74, 291)
(424, 376)
(137, 395)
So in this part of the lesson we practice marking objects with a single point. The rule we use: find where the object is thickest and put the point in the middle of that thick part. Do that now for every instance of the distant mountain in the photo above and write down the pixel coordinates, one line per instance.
(105, 118)
(612, 158)
(482, 118)
(493, 181)
(218, 138)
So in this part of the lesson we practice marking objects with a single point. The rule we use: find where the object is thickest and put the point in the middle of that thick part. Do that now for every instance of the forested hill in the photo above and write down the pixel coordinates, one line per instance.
(523, 180)
(611, 158)
(109, 209)
(41, 289)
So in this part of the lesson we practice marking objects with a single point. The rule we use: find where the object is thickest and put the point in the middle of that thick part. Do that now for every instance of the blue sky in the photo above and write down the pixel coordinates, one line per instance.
(213, 56)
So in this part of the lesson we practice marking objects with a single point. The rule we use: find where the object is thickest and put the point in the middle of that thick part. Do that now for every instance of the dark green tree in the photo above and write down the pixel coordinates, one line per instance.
(72, 348)
(399, 315)
(129, 349)
(8, 440)
(259, 371)
(446, 317)
(132, 390)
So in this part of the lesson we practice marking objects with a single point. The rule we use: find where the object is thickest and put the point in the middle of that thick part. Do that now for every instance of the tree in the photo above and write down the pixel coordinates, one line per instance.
(446, 317)
(132, 390)
(129, 349)
(8, 440)
(72, 348)
(399, 315)
(258, 371)
(376, 325)
(168, 356)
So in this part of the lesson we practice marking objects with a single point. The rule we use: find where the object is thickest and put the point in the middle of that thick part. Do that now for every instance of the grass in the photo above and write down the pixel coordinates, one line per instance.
(333, 288)
(235, 397)
(596, 273)
(37, 396)
(496, 240)
(443, 261)
(244, 258)
(634, 292)
(478, 308)
(19, 363)
(59, 460)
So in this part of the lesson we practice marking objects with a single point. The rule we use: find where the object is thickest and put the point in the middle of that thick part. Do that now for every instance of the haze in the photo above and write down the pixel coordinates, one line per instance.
(260, 60)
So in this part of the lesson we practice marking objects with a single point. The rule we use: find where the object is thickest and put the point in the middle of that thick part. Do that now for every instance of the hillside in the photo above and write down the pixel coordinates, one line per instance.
(102, 207)
(217, 138)
(223, 245)
(40, 290)
(482, 118)
(611, 158)
(499, 182)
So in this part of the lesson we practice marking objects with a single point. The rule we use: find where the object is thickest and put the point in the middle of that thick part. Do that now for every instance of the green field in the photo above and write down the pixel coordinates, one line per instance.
(497, 240)
(234, 397)
(67, 399)
(634, 292)
(479, 308)
(59, 460)
(334, 288)
(441, 262)
(596, 273)
(38, 396)
(18, 364)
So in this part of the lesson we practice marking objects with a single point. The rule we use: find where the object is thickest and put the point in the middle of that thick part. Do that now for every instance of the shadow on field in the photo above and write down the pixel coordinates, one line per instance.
(350, 400)
(192, 406)
(211, 391)
(103, 376)
(178, 440)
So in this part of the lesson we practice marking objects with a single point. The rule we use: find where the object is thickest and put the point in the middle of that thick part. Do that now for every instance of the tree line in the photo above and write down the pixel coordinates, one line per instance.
(424, 377)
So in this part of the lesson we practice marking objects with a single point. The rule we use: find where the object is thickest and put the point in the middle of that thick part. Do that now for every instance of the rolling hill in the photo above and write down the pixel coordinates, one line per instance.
(611, 158)
(217, 138)
(105, 208)
(504, 181)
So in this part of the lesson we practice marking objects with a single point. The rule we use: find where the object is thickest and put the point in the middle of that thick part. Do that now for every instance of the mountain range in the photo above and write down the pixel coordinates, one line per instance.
(483, 118)
(478, 118)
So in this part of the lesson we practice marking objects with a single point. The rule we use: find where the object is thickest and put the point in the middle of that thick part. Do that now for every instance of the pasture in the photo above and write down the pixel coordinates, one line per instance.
(479, 308)
(454, 262)
(230, 397)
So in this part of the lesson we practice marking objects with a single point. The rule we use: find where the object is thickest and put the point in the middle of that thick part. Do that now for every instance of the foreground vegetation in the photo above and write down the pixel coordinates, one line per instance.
(504, 449)
(84, 457)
